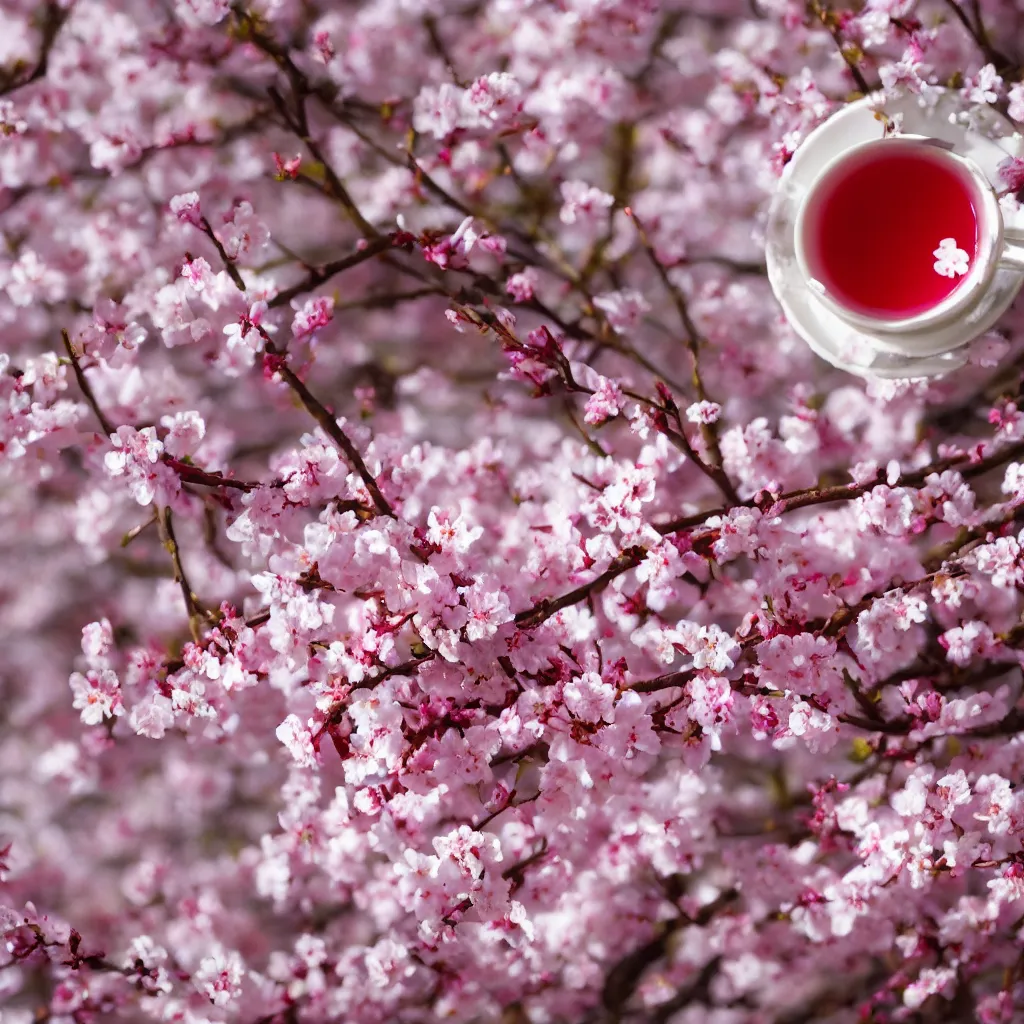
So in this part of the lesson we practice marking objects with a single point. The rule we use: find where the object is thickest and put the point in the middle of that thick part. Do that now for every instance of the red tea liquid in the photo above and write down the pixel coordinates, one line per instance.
(874, 225)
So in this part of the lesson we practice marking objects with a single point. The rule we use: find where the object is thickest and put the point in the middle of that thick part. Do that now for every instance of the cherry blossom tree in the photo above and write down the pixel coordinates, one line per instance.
(436, 582)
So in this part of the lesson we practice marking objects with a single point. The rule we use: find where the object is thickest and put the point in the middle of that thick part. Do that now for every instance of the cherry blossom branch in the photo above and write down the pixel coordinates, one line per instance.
(833, 628)
(625, 134)
(297, 119)
(967, 538)
(165, 524)
(433, 31)
(840, 619)
(388, 300)
(335, 188)
(229, 264)
(53, 17)
(534, 616)
(162, 516)
(966, 463)
(699, 990)
(85, 172)
(302, 88)
(830, 22)
(712, 471)
(574, 329)
(484, 747)
(752, 267)
(309, 401)
(85, 387)
(530, 618)
(977, 31)
(322, 274)
(625, 976)
(708, 430)
(135, 531)
(192, 474)
(330, 427)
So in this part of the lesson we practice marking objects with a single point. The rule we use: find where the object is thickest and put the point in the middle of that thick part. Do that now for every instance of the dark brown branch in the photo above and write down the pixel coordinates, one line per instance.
(165, 525)
(387, 300)
(330, 427)
(136, 530)
(296, 119)
(309, 401)
(830, 22)
(85, 387)
(434, 34)
(752, 267)
(708, 430)
(54, 16)
(979, 34)
(665, 682)
(624, 977)
(328, 270)
(229, 263)
(793, 500)
(203, 478)
(533, 617)
(699, 990)
(333, 186)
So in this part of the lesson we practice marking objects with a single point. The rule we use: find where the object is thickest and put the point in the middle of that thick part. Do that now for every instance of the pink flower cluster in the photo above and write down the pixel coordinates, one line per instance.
(436, 584)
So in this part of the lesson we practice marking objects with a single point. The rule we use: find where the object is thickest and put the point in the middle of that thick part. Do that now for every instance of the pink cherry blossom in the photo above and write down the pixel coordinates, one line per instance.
(590, 698)
(185, 431)
(583, 204)
(623, 309)
(97, 695)
(1016, 98)
(604, 404)
(219, 977)
(186, 208)
(704, 412)
(438, 583)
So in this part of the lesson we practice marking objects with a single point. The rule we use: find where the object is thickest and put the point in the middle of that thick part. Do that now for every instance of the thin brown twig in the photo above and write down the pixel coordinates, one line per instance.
(966, 538)
(136, 530)
(830, 23)
(386, 300)
(54, 16)
(751, 267)
(322, 274)
(794, 500)
(84, 386)
(309, 401)
(708, 430)
(229, 264)
(296, 119)
(682, 442)
(334, 187)
(330, 427)
(434, 34)
(979, 34)
(543, 610)
(165, 524)
(204, 478)
(534, 616)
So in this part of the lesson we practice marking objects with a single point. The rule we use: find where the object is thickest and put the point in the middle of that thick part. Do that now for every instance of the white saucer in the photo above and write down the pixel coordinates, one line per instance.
(837, 342)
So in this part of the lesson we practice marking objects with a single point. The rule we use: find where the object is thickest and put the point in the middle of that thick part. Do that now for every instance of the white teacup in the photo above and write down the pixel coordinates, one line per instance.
(995, 249)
